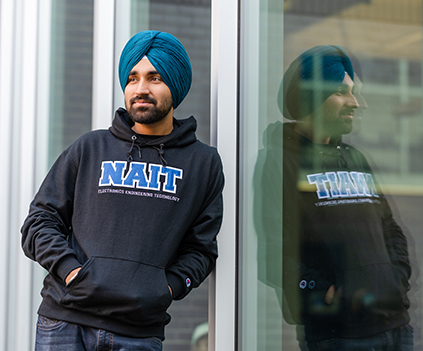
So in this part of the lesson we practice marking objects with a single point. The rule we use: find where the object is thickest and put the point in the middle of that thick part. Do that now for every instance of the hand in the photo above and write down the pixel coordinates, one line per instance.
(331, 295)
(71, 275)
(171, 292)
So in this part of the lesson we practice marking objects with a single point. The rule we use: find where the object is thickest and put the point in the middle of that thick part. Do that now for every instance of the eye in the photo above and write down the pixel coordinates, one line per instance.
(156, 79)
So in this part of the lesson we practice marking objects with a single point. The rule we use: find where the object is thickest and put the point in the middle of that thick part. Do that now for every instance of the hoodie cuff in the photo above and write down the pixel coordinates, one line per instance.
(66, 265)
(179, 290)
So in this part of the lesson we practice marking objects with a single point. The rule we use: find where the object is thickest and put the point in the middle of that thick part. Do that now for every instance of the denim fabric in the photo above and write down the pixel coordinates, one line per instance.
(398, 339)
(55, 335)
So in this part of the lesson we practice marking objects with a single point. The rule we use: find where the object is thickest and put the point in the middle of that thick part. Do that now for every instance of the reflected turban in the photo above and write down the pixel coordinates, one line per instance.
(166, 54)
(311, 79)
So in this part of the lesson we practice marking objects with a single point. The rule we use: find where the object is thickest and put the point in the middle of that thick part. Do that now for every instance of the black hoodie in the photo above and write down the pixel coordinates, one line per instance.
(324, 211)
(138, 213)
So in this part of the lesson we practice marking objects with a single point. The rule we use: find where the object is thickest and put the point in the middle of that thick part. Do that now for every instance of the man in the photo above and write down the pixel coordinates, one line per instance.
(345, 267)
(126, 220)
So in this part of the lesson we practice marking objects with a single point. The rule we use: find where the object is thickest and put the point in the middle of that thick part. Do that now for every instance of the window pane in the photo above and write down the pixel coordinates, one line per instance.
(317, 218)
(71, 73)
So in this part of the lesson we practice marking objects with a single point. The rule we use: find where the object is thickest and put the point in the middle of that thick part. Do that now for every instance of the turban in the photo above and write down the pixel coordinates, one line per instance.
(311, 79)
(166, 54)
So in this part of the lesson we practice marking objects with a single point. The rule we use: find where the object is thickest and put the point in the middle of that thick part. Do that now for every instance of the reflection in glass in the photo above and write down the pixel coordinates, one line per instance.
(381, 170)
(345, 260)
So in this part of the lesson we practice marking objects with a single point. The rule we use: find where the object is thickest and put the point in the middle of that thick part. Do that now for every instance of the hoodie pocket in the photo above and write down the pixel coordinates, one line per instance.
(125, 290)
(373, 291)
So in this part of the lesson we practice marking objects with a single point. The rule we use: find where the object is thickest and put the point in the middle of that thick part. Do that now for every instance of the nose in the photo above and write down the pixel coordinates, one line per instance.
(142, 87)
(361, 101)
(352, 102)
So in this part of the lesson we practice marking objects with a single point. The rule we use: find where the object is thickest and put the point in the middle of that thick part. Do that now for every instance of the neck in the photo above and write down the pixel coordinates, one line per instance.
(308, 130)
(162, 127)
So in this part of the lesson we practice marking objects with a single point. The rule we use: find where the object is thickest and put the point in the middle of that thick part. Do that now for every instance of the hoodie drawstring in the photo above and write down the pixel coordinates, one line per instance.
(158, 149)
(330, 155)
(161, 154)
(129, 153)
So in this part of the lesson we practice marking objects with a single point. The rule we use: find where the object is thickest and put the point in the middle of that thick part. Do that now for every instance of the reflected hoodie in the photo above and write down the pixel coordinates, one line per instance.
(338, 230)
(138, 213)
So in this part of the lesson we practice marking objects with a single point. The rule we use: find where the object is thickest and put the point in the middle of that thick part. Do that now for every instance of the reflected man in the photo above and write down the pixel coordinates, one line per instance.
(345, 260)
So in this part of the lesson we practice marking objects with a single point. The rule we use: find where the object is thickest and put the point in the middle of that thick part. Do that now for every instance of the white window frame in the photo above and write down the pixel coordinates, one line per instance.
(224, 124)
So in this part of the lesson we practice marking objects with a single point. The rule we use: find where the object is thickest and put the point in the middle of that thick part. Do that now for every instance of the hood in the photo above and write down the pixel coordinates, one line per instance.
(183, 134)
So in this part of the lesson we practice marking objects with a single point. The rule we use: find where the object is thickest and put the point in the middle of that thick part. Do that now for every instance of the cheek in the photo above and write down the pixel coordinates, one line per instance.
(127, 94)
(333, 109)
(165, 95)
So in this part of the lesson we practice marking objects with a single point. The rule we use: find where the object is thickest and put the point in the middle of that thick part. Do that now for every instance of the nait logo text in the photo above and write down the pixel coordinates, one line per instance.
(140, 175)
(342, 184)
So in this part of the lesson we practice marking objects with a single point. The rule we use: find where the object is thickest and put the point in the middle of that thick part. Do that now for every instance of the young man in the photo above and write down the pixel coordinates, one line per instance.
(126, 220)
(345, 261)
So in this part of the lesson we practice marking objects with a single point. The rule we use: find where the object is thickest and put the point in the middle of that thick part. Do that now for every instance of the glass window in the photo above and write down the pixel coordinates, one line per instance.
(331, 171)
(71, 73)
(190, 22)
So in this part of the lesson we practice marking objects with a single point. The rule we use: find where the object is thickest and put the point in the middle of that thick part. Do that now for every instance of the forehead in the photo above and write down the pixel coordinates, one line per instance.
(348, 81)
(143, 66)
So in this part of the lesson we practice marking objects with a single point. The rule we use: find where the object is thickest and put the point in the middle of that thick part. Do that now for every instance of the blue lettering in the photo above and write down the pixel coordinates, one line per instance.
(346, 186)
(343, 184)
(360, 183)
(112, 173)
(319, 179)
(171, 174)
(153, 182)
(371, 185)
(333, 182)
(136, 176)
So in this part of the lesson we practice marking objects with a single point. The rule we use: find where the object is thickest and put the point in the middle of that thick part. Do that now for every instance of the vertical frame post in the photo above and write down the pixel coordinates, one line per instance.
(224, 124)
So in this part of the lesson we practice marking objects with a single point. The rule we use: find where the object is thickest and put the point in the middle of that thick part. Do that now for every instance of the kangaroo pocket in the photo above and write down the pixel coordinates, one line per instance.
(124, 290)
(372, 292)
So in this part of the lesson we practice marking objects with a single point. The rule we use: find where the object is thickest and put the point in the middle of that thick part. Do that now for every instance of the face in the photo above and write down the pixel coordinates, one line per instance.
(358, 115)
(148, 99)
(337, 111)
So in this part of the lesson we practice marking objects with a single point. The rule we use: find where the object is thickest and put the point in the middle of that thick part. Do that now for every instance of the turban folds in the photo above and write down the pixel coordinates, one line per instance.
(166, 54)
(311, 79)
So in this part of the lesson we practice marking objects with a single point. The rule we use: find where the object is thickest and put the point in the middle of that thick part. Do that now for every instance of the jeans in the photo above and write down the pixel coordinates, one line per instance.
(398, 339)
(55, 335)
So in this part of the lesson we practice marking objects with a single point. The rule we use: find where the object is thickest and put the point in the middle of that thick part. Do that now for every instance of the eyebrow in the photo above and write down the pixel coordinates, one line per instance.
(150, 73)
(345, 86)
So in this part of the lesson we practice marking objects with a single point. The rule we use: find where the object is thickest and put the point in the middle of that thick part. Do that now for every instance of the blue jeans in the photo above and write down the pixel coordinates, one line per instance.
(55, 335)
(398, 339)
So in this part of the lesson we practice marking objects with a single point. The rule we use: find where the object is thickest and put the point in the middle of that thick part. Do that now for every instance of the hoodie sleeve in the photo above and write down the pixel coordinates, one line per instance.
(280, 237)
(396, 243)
(197, 252)
(278, 226)
(395, 240)
(46, 230)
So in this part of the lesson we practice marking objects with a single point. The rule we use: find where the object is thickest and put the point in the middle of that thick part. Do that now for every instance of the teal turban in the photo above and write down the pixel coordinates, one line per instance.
(311, 78)
(166, 54)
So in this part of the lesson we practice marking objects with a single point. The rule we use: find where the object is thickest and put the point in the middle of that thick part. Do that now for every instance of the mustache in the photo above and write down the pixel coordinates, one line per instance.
(143, 98)
(347, 112)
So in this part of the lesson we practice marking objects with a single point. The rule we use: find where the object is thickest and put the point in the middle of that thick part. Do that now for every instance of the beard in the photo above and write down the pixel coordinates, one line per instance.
(341, 126)
(149, 115)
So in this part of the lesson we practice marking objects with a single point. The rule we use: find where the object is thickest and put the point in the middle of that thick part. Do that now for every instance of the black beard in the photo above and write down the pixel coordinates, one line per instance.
(149, 115)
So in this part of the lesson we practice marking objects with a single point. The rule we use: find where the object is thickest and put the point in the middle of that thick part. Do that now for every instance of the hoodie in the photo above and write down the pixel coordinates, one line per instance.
(336, 229)
(138, 213)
